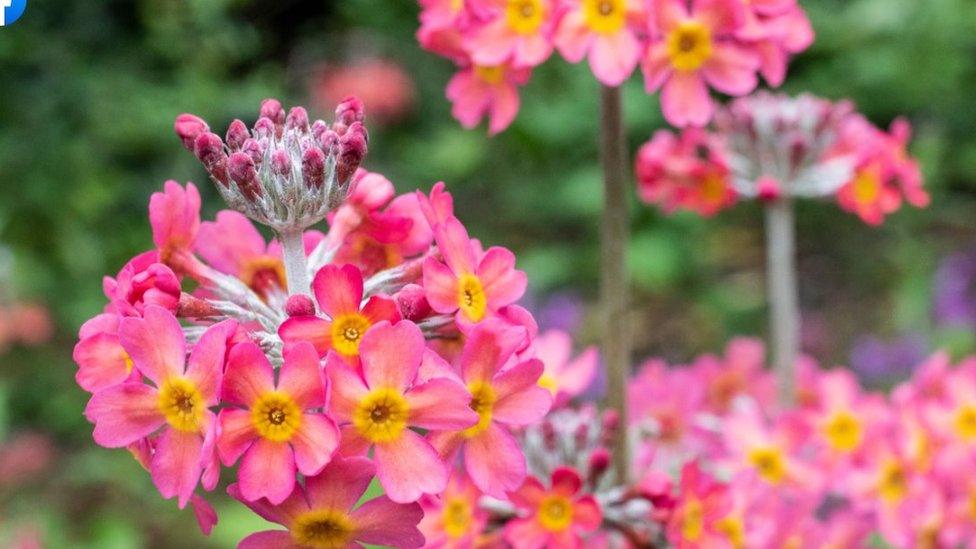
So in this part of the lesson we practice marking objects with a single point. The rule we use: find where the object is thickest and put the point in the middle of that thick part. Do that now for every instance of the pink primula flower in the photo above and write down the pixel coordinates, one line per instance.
(703, 504)
(557, 517)
(776, 35)
(175, 218)
(519, 31)
(178, 400)
(472, 284)
(504, 395)
(693, 47)
(378, 408)
(454, 520)
(604, 31)
(142, 281)
(324, 513)
(278, 430)
(102, 362)
(477, 91)
(339, 292)
(564, 376)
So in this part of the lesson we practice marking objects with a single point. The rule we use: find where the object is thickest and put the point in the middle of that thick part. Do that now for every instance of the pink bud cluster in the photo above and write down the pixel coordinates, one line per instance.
(683, 47)
(770, 146)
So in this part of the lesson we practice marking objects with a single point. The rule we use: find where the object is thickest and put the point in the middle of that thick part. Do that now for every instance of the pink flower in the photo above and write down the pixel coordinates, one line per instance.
(693, 49)
(486, 90)
(684, 172)
(519, 31)
(324, 513)
(438, 207)
(565, 378)
(175, 218)
(776, 34)
(142, 281)
(503, 397)
(702, 505)
(380, 83)
(377, 409)
(178, 400)
(454, 520)
(339, 292)
(605, 31)
(467, 282)
(553, 518)
(441, 26)
(102, 362)
(277, 432)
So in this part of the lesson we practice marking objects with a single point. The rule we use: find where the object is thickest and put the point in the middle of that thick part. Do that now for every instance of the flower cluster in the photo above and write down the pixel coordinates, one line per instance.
(770, 146)
(407, 357)
(684, 48)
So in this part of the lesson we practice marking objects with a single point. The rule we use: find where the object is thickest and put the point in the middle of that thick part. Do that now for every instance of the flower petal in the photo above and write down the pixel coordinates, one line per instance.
(441, 286)
(521, 400)
(391, 354)
(205, 366)
(340, 484)
(731, 69)
(494, 461)
(284, 514)
(488, 347)
(338, 290)
(587, 515)
(300, 376)
(613, 57)
(312, 329)
(348, 387)
(267, 471)
(249, 375)
(177, 464)
(124, 413)
(229, 242)
(102, 362)
(442, 405)
(382, 522)
(685, 100)
(236, 434)
(314, 443)
(409, 467)
(503, 284)
(155, 343)
(566, 481)
(269, 539)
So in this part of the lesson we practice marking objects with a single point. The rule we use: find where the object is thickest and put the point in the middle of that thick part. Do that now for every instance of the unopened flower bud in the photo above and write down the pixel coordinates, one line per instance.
(611, 422)
(412, 302)
(581, 435)
(254, 149)
(548, 435)
(599, 462)
(188, 127)
(242, 171)
(329, 141)
(299, 305)
(237, 134)
(297, 119)
(194, 307)
(272, 110)
(318, 128)
(352, 150)
(768, 189)
(209, 149)
(281, 163)
(313, 167)
(265, 128)
(348, 111)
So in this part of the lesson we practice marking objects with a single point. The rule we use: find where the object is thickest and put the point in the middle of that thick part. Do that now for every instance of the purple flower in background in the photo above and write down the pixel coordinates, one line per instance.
(875, 360)
(954, 302)
(557, 311)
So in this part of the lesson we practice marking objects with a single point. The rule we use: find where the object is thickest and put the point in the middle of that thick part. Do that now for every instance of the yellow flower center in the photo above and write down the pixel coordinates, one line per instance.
(525, 16)
(381, 415)
(555, 513)
(734, 531)
(713, 189)
(605, 16)
(483, 402)
(128, 362)
(347, 332)
(471, 297)
(263, 273)
(493, 74)
(972, 505)
(457, 517)
(843, 431)
(689, 45)
(892, 483)
(769, 462)
(549, 383)
(182, 404)
(276, 416)
(323, 529)
(692, 520)
(866, 186)
(966, 422)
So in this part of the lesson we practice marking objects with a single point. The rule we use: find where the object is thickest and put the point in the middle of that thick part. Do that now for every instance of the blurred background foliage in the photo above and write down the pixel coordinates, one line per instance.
(89, 90)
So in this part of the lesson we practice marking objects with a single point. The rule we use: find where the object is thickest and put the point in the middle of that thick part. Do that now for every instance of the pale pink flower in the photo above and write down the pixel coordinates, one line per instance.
(604, 31)
(565, 377)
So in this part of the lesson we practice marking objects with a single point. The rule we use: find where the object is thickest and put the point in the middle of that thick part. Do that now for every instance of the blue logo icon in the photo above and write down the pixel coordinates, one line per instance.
(11, 10)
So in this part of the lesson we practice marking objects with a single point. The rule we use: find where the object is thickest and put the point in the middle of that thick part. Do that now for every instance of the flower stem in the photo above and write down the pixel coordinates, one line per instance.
(784, 310)
(296, 264)
(614, 285)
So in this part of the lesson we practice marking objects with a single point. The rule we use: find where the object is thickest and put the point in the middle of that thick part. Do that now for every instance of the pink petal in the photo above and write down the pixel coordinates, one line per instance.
(205, 366)
(656, 67)
(340, 484)
(174, 215)
(205, 514)
(155, 343)
(348, 387)
(300, 376)
(667, 14)
(267, 471)
(470, 97)
(409, 467)
(391, 354)
(492, 44)
(614, 57)
(338, 290)
(441, 286)
(447, 444)
(101, 362)
(573, 37)
(578, 375)
(314, 443)
(723, 17)
(532, 51)
(442, 405)
(685, 100)
(523, 407)
(269, 539)
(177, 464)
(249, 375)
(230, 242)
(382, 522)
(529, 494)
(380, 308)
(502, 283)
(527, 533)
(487, 348)
(494, 461)
(504, 107)
(312, 329)
(587, 515)
(455, 246)
(284, 513)
(105, 322)
(731, 69)
(123, 414)
(236, 434)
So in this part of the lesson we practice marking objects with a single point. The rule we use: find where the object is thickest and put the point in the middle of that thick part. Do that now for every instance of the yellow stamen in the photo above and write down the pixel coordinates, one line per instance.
(457, 517)
(276, 416)
(843, 431)
(692, 520)
(549, 383)
(128, 362)
(381, 415)
(471, 297)
(323, 529)
(493, 75)
(966, 422)
(892, 483)
(525, 16)
(347, 332)
(733, 529)
(555, 513)
(689, 45)
(182, 404)
(483, 402)
(713, 189)
(866, 186)
(605, 16)
(769, 462)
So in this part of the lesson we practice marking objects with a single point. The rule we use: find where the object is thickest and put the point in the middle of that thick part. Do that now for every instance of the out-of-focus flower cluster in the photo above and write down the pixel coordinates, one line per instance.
(22, 322)
(770, 146)
(684, 48)
(409, 359)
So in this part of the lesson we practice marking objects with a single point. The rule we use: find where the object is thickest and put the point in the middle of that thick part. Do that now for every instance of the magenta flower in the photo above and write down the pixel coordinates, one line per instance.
(143, 281)
(604, 31)
(102, 362)
(339, 292)
(519, 31)
(178, 400)
(503, 398)
(472, 286)
(277, 431)
(324, 513)
(378, 408)
(557, 517)
(692, 49)
(486, 90)
(175, 218)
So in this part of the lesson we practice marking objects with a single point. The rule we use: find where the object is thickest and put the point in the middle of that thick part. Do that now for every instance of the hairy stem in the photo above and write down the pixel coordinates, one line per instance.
(614, 285)
(296, 264)
(784, 311)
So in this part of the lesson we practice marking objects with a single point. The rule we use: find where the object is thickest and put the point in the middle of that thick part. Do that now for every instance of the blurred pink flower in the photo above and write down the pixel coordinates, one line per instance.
(477, 91)
(604, 31)
(23, 456)
(380, 83)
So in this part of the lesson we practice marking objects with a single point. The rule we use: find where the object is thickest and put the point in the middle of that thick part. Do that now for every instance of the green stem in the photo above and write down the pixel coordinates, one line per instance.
(784, 310)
